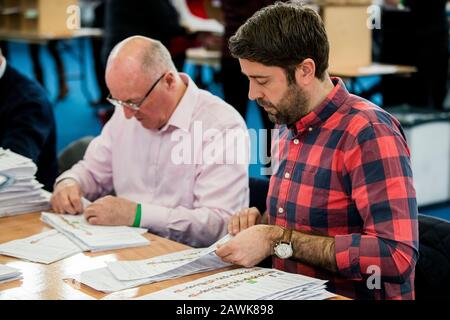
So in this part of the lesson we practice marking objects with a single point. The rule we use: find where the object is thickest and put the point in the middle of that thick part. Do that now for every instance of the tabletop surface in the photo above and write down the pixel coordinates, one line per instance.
(45, 282)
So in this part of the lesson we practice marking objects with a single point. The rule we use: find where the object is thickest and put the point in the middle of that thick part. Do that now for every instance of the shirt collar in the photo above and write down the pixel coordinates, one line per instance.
(2, 67)
(325, 109)
(181, 117)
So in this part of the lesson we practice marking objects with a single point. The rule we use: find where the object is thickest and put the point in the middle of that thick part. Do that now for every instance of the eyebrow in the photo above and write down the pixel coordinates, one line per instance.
(256, 76)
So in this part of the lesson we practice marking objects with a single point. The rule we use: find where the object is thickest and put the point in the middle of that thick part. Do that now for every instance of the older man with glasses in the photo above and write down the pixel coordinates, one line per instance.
(152, 153)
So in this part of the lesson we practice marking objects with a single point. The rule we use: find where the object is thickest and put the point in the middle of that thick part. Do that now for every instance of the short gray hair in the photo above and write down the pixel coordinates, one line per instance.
(156, 58)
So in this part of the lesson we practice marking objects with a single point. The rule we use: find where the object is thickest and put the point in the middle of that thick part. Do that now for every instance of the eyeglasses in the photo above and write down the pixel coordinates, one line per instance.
(131, 105)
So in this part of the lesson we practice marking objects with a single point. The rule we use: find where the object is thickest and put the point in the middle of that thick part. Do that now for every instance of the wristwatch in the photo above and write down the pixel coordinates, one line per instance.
(283, 248)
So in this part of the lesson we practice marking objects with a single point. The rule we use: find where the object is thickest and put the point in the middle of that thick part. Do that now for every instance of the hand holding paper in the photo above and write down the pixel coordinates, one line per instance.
(66, 197)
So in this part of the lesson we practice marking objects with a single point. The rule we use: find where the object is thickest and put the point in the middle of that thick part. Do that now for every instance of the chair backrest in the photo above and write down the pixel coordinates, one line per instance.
(73, 153)
(433, 267)
(259, 187)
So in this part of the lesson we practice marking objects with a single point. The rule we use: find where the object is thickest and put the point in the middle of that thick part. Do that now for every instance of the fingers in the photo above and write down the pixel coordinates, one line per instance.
(235, 227)
(90, 213)
(224, 252)
(243, 219)
(93, 220)
(62, 204)
(254, 216)
(67, 197)
(75, 200)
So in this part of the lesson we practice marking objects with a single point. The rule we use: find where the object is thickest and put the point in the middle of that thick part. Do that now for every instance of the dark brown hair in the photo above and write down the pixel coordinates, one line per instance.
(283, 35)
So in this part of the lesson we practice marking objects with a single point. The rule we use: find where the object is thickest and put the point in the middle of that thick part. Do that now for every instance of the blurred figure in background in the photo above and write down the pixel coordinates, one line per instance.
(93, 16)
(416, 36)
(27, 124)
(235, 84)
(156, 19)
(52, 46)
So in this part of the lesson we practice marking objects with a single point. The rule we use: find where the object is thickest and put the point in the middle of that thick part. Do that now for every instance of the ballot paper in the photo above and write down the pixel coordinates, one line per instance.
(27, 206)
(246, 284)
(140, 269)
(15, 165)
(20, 192)
(169, 266)
(46, 247)
(5, 181)
(9, 274)
(93, 237)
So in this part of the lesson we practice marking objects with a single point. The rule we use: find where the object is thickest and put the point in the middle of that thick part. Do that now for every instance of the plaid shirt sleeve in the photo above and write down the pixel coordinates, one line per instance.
(378, 174)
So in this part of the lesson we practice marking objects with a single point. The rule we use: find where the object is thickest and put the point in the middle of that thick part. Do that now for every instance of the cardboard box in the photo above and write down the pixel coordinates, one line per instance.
(47, 17)
(349, 36)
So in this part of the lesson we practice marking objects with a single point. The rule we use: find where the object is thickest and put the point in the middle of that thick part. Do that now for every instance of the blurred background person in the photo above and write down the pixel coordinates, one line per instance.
(27, 124)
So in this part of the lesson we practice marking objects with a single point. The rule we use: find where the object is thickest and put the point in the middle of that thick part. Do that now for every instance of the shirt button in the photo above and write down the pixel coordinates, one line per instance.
(287, 175)
(310, 129)
(280, 210)
(296, 141)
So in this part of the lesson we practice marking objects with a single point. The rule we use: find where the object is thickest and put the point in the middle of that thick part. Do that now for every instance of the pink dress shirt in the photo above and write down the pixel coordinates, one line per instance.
(189, 203)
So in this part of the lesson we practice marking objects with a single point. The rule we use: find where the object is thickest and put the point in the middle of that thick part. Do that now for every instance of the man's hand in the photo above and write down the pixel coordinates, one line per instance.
(66, 197)
(111, 211)
(250, 246)
(244, 219)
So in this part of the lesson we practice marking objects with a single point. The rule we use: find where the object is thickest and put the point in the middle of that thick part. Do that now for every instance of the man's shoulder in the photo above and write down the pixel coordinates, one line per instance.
(20, 90)
(361, 114)
(215, 112)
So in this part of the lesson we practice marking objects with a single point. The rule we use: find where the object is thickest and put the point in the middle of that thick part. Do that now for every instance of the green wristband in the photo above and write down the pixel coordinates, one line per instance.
(137, 219)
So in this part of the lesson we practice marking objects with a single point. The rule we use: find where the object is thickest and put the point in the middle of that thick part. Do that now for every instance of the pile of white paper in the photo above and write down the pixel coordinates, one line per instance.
(45, 247)
(9, 274)
(20, 192)
(247, 284)
(120, 275)
(93, 237)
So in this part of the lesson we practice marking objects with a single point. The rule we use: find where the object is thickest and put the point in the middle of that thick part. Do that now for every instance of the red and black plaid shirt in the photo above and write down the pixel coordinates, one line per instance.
(344, 171)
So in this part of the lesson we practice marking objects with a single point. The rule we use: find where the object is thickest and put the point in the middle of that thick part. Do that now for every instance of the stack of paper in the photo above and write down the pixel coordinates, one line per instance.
(122, 275)
(92, 237)
(247, 284)
(9, 274)
(19, 190)
(45, 247)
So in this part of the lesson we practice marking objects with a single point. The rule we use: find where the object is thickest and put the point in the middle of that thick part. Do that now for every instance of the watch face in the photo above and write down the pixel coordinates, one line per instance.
(283, 250)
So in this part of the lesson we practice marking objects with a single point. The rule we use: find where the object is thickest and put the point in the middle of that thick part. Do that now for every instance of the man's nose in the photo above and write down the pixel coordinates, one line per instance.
(129, 113)
(253, 92)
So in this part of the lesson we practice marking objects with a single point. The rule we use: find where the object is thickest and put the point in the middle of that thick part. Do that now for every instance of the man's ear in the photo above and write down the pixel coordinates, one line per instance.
(169, 80)
(305, 72)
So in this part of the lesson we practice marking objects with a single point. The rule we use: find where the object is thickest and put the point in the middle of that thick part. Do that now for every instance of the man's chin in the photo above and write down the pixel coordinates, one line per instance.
(273, 118)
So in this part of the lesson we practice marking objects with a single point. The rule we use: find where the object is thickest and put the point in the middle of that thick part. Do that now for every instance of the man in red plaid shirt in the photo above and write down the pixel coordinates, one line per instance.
(341, 203)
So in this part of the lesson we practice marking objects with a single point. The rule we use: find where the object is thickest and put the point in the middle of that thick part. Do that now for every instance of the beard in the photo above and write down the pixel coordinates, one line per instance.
(292, 107)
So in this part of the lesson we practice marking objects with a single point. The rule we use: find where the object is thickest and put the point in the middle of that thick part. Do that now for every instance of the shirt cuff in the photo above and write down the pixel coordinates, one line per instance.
(154, 218)
(347, 255)
(66, 175)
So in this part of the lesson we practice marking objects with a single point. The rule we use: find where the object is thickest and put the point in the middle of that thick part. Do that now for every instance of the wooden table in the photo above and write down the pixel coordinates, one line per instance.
(39, 38)
(45, 282)
(351, 75)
